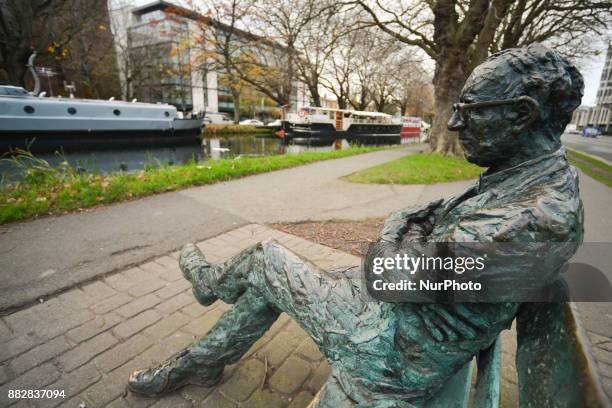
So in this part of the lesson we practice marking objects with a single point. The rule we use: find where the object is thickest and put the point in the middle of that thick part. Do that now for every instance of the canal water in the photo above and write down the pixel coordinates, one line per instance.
(109, 161)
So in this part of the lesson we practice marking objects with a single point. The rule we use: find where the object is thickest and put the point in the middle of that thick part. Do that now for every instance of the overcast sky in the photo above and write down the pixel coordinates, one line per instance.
(591, 69)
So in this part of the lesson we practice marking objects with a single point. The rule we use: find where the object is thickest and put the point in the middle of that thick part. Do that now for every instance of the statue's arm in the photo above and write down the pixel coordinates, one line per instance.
(410, 223)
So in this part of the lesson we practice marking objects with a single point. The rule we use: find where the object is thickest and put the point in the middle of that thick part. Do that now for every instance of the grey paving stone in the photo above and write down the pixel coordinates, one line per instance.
(290, 376)
(203, 324)
(139, 305)
(118, 403)
(153, 268)
(246, 379)
(33, 379)
(98, 290)
(172, 401)
(161, 351)
(605, 369)
(18, 345)
(136, 274)
(167, 325)
(5, 332)
(172, 274)
(264, 398)
(120, 281)
(151, 284)
(279, 348)
(596, 338)
(607, 386)
(75, 382)
(602, 355)
(605, 346)
(216, 400)
(139, 401)
(86, 351)
(175, 303)
(196, 310)
(93, 327)
(167, 262)
(111, 303)
(123, 352)
(39, 355)
(3, 375)
(60, 323)
(76, 299)
(301, 400)
(309, 350)
(257, 346)
(111, 386)
(24, 321)
(173, 289)
(136, 324)
(319, 377)
(196, 394)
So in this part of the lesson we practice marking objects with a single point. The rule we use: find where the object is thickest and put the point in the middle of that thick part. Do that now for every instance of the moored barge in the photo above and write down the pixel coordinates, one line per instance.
(325, 125)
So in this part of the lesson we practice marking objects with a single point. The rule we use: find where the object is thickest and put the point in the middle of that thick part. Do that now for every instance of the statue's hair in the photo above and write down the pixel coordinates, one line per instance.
(550, 79)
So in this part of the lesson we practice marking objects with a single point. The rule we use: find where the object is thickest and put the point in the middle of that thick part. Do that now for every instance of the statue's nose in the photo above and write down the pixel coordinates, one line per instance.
(455, 122)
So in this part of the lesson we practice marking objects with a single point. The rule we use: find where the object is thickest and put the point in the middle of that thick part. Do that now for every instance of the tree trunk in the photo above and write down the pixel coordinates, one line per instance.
(448, 80)
(314, 95)
(236, 102)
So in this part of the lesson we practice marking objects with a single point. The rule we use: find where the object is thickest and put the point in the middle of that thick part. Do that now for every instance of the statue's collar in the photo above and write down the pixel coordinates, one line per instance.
(542, 165)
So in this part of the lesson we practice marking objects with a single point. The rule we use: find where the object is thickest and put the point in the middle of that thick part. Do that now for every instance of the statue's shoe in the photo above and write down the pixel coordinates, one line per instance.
(172, 375)
(192, 264)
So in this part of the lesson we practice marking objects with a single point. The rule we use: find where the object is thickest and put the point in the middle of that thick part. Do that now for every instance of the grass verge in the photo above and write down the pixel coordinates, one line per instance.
(596, 169)
(225, 130)
(423, 168)
(47, 190)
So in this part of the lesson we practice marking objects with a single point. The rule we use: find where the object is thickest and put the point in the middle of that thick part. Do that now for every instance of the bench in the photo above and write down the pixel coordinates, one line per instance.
(553, 361)
(554, 365)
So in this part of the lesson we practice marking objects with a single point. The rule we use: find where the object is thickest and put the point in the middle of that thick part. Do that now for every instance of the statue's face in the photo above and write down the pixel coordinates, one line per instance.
(487, 133)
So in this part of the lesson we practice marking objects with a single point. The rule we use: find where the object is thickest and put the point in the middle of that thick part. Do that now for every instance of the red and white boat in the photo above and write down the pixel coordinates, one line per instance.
(411, 129)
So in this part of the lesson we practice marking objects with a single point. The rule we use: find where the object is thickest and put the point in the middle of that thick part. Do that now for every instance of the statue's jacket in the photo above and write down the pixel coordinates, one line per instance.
(418, 346)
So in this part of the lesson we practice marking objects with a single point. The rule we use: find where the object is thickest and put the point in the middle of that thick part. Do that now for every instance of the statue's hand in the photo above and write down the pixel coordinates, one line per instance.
(418, 221)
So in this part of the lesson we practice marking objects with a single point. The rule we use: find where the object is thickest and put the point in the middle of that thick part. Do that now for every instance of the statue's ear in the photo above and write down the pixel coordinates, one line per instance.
(528, 111)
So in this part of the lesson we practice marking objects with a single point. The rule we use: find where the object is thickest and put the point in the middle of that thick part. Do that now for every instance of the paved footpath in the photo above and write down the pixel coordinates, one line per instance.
(44, 256)
(88, 340)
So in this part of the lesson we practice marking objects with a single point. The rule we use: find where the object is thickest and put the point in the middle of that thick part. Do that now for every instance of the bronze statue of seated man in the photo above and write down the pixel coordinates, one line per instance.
(511, 114)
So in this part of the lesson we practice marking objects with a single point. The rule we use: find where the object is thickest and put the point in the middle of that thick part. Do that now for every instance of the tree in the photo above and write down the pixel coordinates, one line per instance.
(337, 76)
(224, 46)
(459, 34)
(55, 30)
(280, 25)
(315, 46)
(413, 91)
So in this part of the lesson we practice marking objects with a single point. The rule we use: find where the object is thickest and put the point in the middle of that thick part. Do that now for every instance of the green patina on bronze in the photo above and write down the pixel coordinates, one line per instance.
(401, 355)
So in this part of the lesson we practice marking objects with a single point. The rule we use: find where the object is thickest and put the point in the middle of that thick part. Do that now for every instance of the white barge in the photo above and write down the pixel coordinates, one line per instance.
(325, 125)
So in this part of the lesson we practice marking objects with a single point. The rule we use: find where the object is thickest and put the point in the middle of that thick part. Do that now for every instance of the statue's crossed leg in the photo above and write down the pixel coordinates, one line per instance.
(356, 336)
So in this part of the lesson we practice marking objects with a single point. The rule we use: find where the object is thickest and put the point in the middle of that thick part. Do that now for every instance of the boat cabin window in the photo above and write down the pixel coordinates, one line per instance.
(13, 91)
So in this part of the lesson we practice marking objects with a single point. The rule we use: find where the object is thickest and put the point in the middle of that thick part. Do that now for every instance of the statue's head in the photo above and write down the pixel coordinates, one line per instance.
(517, 101)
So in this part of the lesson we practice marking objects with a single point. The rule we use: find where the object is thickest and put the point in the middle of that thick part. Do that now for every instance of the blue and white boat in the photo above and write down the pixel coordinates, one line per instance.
(47, 124)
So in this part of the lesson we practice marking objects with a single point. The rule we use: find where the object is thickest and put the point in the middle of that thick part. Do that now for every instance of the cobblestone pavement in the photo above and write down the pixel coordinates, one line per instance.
(88, 340)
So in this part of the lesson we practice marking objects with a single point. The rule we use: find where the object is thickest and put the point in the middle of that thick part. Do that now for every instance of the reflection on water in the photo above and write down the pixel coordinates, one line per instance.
(108, 161)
